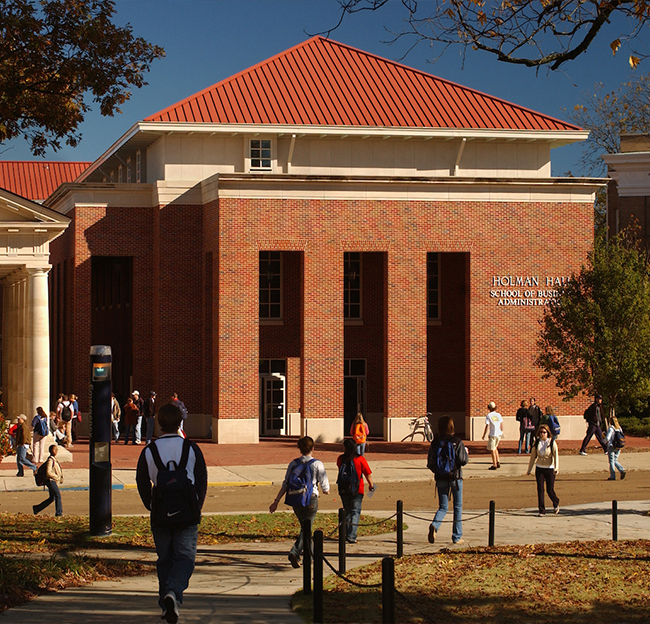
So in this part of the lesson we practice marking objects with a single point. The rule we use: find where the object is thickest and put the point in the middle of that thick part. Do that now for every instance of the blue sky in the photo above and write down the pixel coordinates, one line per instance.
(208, 40)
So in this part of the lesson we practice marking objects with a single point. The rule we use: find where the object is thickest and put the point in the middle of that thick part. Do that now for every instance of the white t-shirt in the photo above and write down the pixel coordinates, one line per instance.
(494, 420)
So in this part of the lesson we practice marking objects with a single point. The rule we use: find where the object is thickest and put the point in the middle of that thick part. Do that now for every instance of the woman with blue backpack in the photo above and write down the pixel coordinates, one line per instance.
(352, 469)
(447, 456)
(615, 442)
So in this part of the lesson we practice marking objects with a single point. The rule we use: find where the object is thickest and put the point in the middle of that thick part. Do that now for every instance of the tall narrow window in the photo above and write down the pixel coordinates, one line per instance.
(138, 166)
(260, 155)
(270, 285)
(128, 171)
(352, 285)
(433, 286)
(120, 174)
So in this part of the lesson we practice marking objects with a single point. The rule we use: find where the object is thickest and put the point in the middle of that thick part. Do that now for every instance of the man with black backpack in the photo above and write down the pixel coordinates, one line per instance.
(447, 455)
(172, 482)
(300, 484)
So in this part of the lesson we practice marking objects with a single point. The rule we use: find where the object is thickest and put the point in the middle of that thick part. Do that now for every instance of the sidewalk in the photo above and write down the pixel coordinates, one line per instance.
(387, 470)
(253, 583)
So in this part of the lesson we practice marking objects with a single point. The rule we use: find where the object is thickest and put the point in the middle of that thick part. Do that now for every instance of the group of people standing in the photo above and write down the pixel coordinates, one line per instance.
(138, 411)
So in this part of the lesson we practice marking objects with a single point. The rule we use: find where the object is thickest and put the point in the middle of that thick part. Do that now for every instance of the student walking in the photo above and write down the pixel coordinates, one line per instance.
(359, 432)
(493, 426)
(23, 444)
(53, 478)
(594, 417)
(546, 458)
(172, 481)
(615, 441)
(447, 456)
(353, 467)
(301, 482)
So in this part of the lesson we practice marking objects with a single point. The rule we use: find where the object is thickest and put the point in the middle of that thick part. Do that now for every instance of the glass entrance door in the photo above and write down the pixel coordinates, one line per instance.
(273, 395)
(354, 391)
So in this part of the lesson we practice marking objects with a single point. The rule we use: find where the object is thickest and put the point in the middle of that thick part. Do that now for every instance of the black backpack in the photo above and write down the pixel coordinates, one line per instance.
(66, 413)
(174, 501)
(348, 479)
(40, 476)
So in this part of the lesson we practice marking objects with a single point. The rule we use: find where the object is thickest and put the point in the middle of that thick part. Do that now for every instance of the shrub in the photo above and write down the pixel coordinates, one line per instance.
(638, 427)
(5, 446)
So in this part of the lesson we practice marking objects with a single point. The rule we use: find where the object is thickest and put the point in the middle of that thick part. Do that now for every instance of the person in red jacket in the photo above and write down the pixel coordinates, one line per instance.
(352, 501)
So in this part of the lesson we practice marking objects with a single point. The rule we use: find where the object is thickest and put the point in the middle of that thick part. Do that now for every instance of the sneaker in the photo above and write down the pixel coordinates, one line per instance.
(492, 468)
(35, 510)
(460, 541)
(295, 561)
(623, 473)
(432, 534)
(498, 465)
(612, 478)
(171, 608)
(138, 442)
(582, 453)
(351, 541)
(541, 514)
(556, 510)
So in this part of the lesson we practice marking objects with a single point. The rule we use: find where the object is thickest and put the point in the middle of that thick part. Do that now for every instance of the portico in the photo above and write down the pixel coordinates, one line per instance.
(26, 230)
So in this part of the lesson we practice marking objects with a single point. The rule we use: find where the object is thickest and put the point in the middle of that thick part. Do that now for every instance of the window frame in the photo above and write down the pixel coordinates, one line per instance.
(352, 320)
(270, 320)
(272, 160)
(434, 320)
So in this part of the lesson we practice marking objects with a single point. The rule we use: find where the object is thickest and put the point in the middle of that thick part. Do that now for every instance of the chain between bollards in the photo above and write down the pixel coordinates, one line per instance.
(615, 520)
(400, 528)
(388, 590)
(491, 524)
(343, 530)
(318, 577)
(306, 559)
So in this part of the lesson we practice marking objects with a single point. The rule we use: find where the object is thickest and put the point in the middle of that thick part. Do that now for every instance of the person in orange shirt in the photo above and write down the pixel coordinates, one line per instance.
(359, 432)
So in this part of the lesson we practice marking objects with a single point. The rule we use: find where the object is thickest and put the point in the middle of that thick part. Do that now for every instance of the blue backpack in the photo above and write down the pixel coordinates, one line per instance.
(348, 479)
(442, 459)
(619, 439)
(554, 425)
(300, 485)
(41, 426)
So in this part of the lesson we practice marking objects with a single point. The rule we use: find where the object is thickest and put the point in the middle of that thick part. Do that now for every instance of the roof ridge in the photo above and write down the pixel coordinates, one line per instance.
(225, 81)
(445, 80)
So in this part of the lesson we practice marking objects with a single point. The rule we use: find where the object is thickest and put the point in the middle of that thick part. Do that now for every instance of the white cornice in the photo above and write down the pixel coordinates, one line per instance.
(155, 129)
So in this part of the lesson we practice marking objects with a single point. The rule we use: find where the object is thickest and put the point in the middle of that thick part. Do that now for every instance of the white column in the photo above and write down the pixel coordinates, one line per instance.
(8, 332)
(38, 343)
(20, 349)
(27, 342)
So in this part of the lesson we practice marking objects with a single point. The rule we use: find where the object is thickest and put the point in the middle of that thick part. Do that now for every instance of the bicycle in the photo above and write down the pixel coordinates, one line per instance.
(421, 425)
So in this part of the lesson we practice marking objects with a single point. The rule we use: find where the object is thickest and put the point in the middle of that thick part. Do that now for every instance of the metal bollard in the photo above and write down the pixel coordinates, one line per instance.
(400, 528)
(306, 558)
(491, 525)
(318, 577)
(343, 531)
(388, 590)
(615, 520)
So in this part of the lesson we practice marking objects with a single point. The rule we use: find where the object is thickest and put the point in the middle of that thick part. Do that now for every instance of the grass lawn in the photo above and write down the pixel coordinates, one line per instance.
(38, 552)
(601, 582)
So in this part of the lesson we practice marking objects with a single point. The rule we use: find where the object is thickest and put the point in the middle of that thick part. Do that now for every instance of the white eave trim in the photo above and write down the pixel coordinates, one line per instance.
(556, 138)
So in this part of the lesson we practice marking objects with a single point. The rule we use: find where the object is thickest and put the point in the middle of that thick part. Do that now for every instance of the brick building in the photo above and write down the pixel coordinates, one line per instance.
(325, 232)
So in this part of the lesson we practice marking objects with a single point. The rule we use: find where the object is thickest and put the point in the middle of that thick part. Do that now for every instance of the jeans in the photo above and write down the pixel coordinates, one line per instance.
(176, 549)
(21, 460)
(304, 513)
(352, 506)
(55, 495)
(138, 430)
(593, 429)
(613, 463)
(545, 475)
(116, 430)
(150, 426)
(128, 430)
(361, 448)
(444, 488)
(526, 437)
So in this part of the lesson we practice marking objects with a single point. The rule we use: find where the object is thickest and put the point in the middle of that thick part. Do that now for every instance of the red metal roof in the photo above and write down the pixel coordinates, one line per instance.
(37, 180)
(324, 82)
